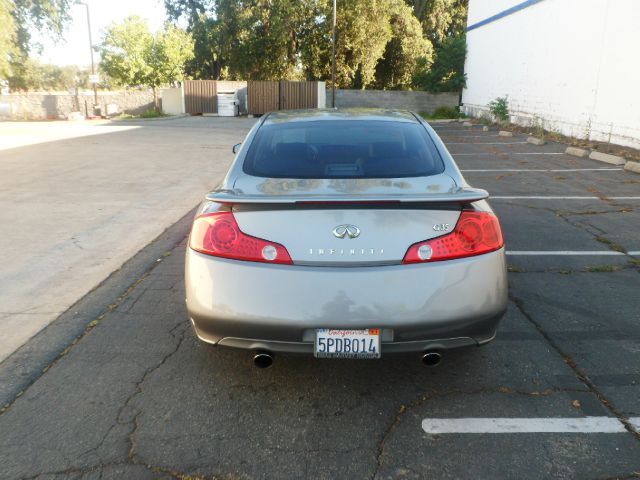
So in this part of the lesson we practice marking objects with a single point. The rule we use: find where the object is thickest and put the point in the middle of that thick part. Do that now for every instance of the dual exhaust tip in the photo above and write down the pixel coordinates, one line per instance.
(264, 359)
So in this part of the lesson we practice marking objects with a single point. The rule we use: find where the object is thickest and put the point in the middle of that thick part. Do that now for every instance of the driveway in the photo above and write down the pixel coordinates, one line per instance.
(78, 199)
(556, 395)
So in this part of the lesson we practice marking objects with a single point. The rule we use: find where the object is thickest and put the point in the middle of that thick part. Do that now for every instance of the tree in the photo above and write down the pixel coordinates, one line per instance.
(402, 53)
(446, 74)
(291, 39)
(44, 15)
(132, 56)
(379, 43)
(31, 75)
(17, 19)
(441, 18)
(8, 38)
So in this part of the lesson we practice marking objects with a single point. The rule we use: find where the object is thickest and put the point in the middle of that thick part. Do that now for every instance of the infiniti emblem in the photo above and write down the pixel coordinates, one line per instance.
(350, 231)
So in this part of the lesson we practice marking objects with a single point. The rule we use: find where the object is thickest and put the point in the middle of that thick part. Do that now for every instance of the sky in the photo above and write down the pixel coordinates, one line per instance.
(73, 49)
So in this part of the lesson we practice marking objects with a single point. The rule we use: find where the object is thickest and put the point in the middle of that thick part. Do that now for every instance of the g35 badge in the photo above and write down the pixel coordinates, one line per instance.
(442, 227)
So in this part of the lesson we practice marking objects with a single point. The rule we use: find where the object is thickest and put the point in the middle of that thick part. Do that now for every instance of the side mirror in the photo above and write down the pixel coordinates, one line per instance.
(236, 147)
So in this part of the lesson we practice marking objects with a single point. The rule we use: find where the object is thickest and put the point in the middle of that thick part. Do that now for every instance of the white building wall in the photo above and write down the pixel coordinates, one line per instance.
(572, 65)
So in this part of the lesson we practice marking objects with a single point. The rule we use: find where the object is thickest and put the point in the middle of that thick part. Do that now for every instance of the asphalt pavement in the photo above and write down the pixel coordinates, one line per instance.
(77, 199)
(125, 390)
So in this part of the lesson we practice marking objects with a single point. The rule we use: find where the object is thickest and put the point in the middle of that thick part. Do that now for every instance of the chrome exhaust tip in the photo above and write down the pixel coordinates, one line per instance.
(263, 359)
(431, 359)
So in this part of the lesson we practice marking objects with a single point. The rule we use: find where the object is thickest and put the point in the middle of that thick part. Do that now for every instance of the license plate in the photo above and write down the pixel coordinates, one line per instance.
(333, 343)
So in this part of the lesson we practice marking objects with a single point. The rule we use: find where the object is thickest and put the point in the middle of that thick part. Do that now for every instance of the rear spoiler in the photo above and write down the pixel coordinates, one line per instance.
(461, 195)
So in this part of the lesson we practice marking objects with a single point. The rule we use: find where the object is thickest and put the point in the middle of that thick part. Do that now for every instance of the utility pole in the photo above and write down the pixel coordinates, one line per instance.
(93, 65)
(333, 59)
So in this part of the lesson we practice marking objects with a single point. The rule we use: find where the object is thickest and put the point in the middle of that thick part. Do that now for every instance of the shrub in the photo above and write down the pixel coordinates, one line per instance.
(499, 108)
(151, 113)
(445, 112)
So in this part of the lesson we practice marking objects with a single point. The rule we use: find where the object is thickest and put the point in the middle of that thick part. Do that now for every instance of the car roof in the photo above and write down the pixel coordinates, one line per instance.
(320, 114)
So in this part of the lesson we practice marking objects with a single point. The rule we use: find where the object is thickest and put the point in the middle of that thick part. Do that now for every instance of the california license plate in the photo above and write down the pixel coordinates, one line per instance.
(333, 343)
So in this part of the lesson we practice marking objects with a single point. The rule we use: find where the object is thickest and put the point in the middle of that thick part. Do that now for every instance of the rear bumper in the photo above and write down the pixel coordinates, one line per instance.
(440, 344)
(435, 306)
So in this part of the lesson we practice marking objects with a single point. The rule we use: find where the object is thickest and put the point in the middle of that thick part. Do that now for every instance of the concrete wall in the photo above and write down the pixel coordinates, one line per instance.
(39, 106)
(398, 99)
(568, 64)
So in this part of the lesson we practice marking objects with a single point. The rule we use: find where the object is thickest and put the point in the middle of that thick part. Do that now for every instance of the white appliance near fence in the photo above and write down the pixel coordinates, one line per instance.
(227, 104)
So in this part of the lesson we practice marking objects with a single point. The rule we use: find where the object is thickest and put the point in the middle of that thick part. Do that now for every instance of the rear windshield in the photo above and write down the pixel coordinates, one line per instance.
(342, 149)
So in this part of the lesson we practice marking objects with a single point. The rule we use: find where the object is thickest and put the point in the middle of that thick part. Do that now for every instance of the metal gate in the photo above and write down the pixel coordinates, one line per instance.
(266, 96)
(200, 96)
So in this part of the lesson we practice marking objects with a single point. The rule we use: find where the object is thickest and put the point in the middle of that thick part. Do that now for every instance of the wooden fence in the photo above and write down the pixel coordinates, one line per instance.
(200, 96)
(262, 96)
(266, 96)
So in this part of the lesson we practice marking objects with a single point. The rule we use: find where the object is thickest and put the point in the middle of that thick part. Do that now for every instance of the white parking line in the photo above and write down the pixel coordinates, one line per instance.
(483, 143)
(540, 197)
(544, 170)
(438, 426)
(569, 252)
(509, 153)
(473, 136)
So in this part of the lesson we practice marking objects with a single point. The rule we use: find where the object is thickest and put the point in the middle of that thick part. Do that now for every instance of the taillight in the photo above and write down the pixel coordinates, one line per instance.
(475, 233)
(218, 234)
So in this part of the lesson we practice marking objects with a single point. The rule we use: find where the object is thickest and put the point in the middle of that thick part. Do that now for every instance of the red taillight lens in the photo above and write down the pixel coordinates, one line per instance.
(475, 233)
(218, 234)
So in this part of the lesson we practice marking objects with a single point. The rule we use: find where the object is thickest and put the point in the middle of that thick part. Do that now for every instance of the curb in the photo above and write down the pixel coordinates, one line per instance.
(576, 152)
(606, 158)
(505, 133)
(536, 141)
(152, 119)
(632, 166)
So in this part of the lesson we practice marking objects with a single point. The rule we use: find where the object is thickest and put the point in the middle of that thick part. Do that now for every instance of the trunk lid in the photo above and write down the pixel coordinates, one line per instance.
(347, 222)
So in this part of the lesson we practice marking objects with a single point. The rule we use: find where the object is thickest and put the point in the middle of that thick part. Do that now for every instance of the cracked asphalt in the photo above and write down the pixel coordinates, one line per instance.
(133, 394)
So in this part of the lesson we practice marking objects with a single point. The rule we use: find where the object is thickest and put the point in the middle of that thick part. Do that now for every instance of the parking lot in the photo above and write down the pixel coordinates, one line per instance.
(137, 396)
(80, 198)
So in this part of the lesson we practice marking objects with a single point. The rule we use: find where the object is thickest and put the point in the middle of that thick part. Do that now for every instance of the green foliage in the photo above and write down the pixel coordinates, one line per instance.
(379, 41)
(151, 113)
(133, 56)
(446, 112)
(8, 38)
(403, 52)
(17, 19)
(499, 108)
(363, 33)
(441, 19)
(31, 75)
(44, 15)
(443, 113)
(446, 74)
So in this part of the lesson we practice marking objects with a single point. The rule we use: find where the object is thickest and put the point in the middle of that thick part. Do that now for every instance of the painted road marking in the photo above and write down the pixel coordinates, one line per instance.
(483, 143)
(438, 426)
(510, 153)
(569, 252)
(455, 126)
(539, 197)
(544, 170)
(473, 136)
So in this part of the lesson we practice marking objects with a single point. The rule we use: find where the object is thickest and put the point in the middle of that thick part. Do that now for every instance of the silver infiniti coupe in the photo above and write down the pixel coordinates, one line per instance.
(348, 234)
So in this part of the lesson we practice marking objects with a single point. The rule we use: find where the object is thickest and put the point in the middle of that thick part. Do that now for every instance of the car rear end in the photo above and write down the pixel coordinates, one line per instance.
(345, 236)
